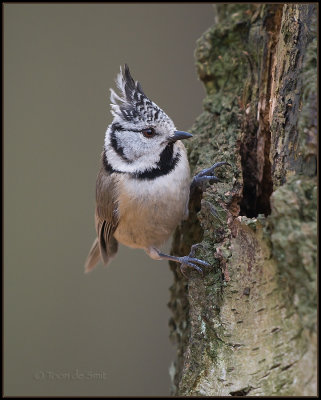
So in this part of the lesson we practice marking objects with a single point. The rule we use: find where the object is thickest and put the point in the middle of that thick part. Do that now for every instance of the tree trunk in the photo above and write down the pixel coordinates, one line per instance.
(248, 326)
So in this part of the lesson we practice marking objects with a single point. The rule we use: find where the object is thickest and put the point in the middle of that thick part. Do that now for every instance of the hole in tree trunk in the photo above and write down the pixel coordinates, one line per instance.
(241, 392)
(256, 194)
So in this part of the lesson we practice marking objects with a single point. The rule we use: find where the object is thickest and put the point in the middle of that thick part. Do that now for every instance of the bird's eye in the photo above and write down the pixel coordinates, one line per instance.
(149, 132)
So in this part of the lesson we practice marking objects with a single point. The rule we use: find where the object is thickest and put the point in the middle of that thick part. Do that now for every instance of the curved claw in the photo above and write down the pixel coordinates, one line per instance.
(193, 248)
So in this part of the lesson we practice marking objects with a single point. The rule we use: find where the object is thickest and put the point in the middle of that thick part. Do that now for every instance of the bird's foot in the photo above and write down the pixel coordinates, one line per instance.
(191, 262)
(186, 262)
(207, 175)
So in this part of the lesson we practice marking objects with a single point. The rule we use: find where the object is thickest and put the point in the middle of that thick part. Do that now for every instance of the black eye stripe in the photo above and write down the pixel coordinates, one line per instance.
(115, 144)
(118, 127)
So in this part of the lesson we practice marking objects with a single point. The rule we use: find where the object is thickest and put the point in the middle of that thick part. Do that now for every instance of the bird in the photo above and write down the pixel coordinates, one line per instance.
(143, 185)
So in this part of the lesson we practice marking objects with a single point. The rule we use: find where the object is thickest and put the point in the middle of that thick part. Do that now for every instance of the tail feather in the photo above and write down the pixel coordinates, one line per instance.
(93, 257)
(95, 254)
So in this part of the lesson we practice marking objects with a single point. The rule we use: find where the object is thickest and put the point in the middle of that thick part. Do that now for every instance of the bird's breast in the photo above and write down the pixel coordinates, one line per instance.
(149, 210)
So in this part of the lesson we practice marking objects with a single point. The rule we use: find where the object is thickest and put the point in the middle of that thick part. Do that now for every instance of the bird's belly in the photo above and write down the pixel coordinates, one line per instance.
(149, 211)
(142, 229)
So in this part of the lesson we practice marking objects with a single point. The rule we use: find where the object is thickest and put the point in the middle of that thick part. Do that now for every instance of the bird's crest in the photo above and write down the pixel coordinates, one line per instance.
(132, 104)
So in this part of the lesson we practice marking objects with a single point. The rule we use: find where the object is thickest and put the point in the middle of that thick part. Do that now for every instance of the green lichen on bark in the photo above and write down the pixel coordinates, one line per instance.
(248, 325)
(308, 117)
(293, 233)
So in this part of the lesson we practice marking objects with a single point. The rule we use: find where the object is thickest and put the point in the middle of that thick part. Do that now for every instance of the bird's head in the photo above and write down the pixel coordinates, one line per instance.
(141, 135)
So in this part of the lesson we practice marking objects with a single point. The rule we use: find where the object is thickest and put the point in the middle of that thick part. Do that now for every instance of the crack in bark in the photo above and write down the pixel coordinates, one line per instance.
(255, 149)
(288, 366)
(275, 366)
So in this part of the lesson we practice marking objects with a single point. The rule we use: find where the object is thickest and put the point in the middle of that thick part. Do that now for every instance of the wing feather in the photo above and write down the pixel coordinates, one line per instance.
(106, 219)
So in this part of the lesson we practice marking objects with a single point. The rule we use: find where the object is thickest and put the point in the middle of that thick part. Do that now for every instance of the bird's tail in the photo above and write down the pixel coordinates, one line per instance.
(93, 257)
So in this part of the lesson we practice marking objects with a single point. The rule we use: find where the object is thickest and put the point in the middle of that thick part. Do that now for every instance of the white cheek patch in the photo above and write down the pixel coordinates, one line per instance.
(138, 159)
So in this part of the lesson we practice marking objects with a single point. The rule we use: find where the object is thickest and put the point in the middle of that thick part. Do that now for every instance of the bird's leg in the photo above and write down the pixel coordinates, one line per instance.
(206, 175)
(186, 261)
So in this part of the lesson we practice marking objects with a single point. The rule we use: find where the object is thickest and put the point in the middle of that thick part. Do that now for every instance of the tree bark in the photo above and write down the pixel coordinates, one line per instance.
(248, 326)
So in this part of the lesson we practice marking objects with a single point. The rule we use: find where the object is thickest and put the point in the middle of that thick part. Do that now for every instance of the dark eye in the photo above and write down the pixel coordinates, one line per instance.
(149, 132)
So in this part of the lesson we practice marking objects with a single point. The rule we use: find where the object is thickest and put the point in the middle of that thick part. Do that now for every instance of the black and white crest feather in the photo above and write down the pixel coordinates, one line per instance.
(132, 104)
(127, 149)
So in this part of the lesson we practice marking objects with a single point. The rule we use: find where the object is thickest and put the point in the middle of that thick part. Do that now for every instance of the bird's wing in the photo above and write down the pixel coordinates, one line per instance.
(106, 214)
(106, 220)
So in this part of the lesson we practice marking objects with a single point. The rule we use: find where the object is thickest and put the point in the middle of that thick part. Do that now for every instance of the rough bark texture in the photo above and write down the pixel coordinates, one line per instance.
(248, 327)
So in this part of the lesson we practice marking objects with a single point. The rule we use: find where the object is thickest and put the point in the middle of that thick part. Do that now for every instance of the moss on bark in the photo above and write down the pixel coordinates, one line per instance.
(248, 325)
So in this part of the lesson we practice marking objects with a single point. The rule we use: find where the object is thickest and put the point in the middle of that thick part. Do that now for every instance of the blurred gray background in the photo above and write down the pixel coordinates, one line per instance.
(67, 333)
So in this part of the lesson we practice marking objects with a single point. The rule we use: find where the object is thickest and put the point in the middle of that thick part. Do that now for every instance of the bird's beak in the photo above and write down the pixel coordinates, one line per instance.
(180, 135)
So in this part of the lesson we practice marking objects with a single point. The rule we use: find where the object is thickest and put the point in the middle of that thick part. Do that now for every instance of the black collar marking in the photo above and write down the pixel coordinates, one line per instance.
(167, 162)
